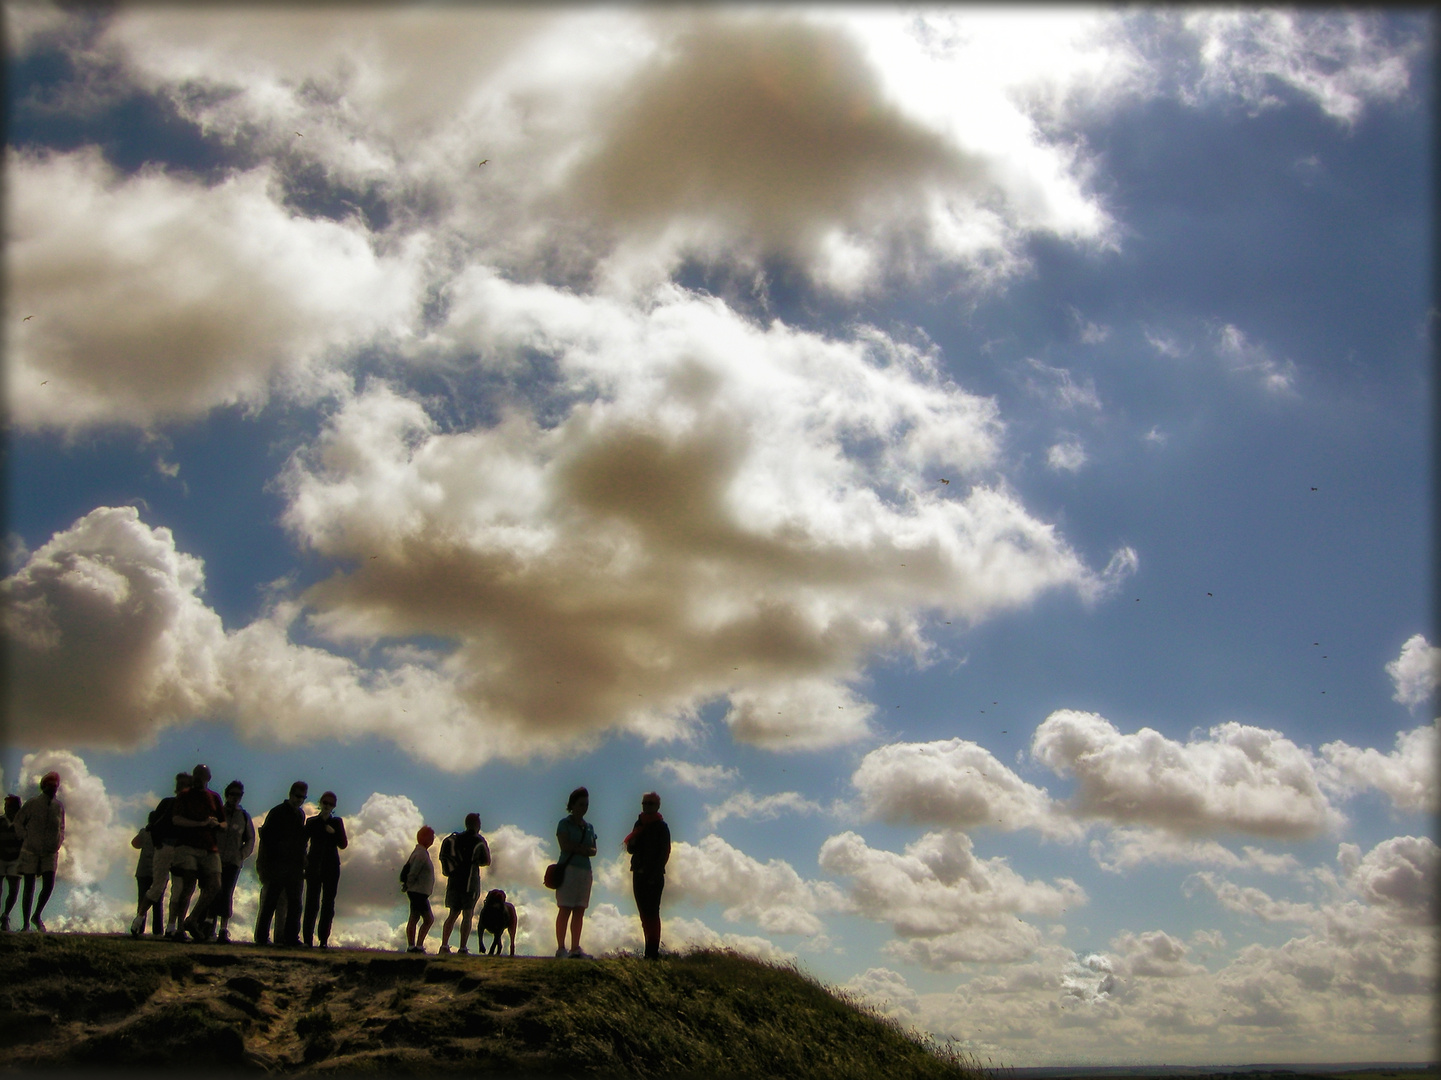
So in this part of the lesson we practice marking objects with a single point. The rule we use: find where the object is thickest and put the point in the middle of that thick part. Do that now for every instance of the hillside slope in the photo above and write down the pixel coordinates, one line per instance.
(104, 1001)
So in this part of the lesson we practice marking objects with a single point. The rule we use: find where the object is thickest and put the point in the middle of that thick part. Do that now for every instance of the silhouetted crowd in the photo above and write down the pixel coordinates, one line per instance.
(194, 844)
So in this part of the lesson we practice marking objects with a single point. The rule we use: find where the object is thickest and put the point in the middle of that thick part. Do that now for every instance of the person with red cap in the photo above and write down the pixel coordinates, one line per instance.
(417, 878)
(41, 827)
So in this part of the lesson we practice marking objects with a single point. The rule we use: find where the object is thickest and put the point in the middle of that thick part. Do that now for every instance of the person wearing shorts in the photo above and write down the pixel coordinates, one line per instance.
(199, 815)
(418, 881)
(162, 836)
(468, 852)
(41, 826)
(577, 844)
(10, 857)
(145, 875)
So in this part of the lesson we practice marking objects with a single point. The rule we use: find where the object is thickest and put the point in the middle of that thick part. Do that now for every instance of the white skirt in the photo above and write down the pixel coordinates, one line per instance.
(574, 891)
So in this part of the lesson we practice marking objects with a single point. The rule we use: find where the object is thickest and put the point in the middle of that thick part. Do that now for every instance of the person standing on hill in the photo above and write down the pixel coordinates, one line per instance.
(649, 847)
(9, 857)
(417, 878)
(162, 837)
(237, 842)
(41, 827)
(577, 842)
(325, 839)
(198, 815)
(145, 875)
(281, 865)
(462, 854)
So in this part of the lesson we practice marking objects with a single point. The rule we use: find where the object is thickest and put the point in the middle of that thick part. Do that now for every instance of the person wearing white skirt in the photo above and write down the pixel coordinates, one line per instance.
(577, 841)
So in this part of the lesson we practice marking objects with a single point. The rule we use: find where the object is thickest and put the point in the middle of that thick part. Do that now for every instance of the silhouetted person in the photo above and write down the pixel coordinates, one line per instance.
(649, 847)
(462, 855)
(237, 842)
(324, 838)
(145, 876)
(162, 837)
(418, 881)
(41, 826)
(198, 815)
(281, 865)
(577, 842)
(10, 857)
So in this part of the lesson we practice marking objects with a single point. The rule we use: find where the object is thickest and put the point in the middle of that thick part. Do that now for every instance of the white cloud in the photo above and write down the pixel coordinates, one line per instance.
(1240, 779)
(1342, 60)
(1407, 775)
(886, 991)
(956, 784)
(1126, 848)
(1055, 386)
(689, 774)
(1241, 354)
(770, 894)
(158, 298)
(947, 906)
(1416, 672)
(382, 836)
(94, 836)
(109, 639)
(1398, 876)
(748, 805)
(1066, 457)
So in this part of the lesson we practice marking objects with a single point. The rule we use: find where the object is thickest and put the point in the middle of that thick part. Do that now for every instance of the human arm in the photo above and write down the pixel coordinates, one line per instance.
(341, 840)
(247, 843)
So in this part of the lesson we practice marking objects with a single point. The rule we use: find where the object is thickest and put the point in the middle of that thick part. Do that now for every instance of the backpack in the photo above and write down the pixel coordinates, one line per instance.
(447, 855)
(482, 854)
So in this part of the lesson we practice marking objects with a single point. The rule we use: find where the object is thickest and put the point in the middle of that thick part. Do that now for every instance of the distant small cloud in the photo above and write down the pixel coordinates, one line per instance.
(1090, 333)
(1155, 437)
(689, 774)
(1066, 457)
(1242, 354)
(1166, 345)
(1056, 386)
(745, 804)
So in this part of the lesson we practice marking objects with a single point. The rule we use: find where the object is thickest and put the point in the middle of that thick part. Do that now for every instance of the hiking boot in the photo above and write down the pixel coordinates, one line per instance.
(444, 950)
(462, 951)
(561, 953)
(39, 926)
(416, 948)
(4, 922)
(223, 937)
(137, 926)
(580, 954)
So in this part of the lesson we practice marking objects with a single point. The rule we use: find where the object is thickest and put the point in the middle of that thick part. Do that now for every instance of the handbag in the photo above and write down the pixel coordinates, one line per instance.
(555, 873)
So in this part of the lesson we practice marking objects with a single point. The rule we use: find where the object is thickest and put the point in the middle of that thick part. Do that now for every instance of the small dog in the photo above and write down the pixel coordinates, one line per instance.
(497, 915)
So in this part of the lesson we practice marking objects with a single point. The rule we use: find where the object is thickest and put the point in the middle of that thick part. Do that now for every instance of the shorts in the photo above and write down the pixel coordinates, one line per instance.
(32, 862)
(194, 860)
(457, 896)
(11, 868)
(420, 904)
(574, 891)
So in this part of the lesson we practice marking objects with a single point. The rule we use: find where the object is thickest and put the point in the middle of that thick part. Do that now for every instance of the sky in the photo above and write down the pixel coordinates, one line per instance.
(972, 462)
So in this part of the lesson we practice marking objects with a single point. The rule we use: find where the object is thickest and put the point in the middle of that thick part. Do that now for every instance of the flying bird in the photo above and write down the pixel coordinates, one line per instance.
(944, 480)
(1315, 489)
(1210, 594)
(44, 381)
(298, 133)
(482, 163)
(27, 318)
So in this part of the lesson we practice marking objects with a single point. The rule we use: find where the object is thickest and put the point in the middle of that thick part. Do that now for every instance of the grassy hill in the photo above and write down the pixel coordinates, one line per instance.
(104, 1001)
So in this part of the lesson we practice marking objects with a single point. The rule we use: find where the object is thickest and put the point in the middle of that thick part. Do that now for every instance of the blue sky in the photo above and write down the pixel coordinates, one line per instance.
(973, 463)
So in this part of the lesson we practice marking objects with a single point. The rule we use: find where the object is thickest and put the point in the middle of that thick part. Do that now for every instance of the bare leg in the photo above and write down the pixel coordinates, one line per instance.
(577, 920)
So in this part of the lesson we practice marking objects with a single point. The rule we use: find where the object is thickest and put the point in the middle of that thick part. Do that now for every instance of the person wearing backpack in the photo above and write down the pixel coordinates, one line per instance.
(417, 878)
(462, 854)
(237, 843)
(9, 857)
(649, 847)
(162, 839)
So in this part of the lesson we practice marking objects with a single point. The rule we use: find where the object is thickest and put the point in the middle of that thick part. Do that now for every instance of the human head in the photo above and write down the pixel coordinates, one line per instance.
(472, 822)
(650, 801)
(327, 802)
(298, 791)
(234, 791)
(50, 783)
(426, 836)
(12, 805)
(201, 775)
(575, 797)
(182, 782)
